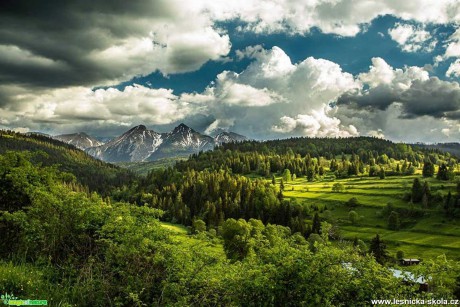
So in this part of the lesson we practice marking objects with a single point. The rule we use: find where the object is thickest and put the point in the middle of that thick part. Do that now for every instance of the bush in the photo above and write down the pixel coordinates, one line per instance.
(353, 217)
(338, 187)
(353, 202)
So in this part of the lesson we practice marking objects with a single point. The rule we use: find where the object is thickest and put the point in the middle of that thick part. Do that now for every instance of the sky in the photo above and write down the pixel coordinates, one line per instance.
(265, 69)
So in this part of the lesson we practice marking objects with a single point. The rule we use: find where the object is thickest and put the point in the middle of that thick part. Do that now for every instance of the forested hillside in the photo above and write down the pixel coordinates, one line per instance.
(293, 182)
(88, 171)
(77, 249)
(254, 238)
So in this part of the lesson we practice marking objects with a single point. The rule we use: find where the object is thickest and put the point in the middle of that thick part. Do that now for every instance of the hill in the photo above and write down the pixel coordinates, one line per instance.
(90, 172)
(288, 182)
(452, 148)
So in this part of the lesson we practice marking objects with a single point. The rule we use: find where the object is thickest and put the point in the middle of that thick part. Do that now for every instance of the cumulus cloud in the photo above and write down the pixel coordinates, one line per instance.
(388, 123)
(411, 87)
(68, 43)
(405, 104)
(52, 53)
(273, 96)
(411, 38)
(260, 101)
(82, 107)
(376, 133)
(454, 69)
(318, 124)
(341, 17)
(453, 45)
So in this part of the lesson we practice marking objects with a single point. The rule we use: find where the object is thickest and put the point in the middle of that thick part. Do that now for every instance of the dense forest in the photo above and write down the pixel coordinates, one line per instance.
(247, 243)
(91, 174)
(211, 186)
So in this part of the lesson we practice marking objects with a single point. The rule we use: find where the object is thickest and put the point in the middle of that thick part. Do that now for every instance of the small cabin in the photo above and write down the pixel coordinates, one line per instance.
(409, 261)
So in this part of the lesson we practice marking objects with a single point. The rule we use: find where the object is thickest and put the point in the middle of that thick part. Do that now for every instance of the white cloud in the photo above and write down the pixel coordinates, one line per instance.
(340, 17)
(64, 108)
(376, 133)
(316, 124)
(272, 94)
(453, 45)
(411, 38)
(380, 73)
(402, 104)
(454, 69)
(390, 124)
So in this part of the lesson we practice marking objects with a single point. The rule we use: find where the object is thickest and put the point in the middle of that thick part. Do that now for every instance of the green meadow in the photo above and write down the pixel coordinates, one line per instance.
(425, 236)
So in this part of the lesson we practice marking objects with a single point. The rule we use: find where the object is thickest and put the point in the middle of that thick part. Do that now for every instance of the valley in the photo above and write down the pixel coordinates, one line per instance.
(233, 225)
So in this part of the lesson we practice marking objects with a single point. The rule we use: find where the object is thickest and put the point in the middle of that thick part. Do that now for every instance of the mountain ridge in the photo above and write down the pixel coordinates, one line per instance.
(80, 140)
(140, 144)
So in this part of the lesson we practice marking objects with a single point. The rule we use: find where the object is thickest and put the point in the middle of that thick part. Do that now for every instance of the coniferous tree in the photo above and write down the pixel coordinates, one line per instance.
(417, 191)
(382, 173)
(443, 172)
(428, 169)
(393, 221)
(287, 175)
(316, 225)
(378, 249)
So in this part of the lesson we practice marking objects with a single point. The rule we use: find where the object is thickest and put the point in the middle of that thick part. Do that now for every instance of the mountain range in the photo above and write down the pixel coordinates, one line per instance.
(80, 140)
(141, 144)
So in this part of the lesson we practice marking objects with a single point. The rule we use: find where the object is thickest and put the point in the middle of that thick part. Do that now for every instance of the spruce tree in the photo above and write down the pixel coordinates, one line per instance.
(378, 249)
(316, 227)
(443, 173)
(417, 191)
(393, 221)
(428, 169)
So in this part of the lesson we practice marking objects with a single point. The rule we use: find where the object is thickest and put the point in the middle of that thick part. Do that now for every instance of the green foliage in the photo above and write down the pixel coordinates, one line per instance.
(86, 250)
(287, 175)
(316, 224)
(338, 187)
(417, 191)
(378, 249)
(394, 222)
(307, 157)
(89, 172)
(198, 226)
(382, 173)
(353, 217)
(444, 173)
(353, 202)
(237, 238)
(428, 169)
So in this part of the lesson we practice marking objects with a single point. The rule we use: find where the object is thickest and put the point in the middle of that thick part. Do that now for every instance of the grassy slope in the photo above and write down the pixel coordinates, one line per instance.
(424, 237)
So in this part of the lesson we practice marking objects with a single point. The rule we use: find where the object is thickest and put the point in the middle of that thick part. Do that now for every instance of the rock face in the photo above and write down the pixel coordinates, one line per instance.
(183, 141)
(141, 144)
(80, 140)
(228, 137)
(137, 144)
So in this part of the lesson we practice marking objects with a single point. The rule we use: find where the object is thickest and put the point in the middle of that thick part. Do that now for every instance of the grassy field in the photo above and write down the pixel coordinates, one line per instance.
(426, 236)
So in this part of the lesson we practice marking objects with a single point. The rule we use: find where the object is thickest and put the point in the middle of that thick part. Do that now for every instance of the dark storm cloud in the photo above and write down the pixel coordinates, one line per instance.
(432, 97)
(65, 32)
